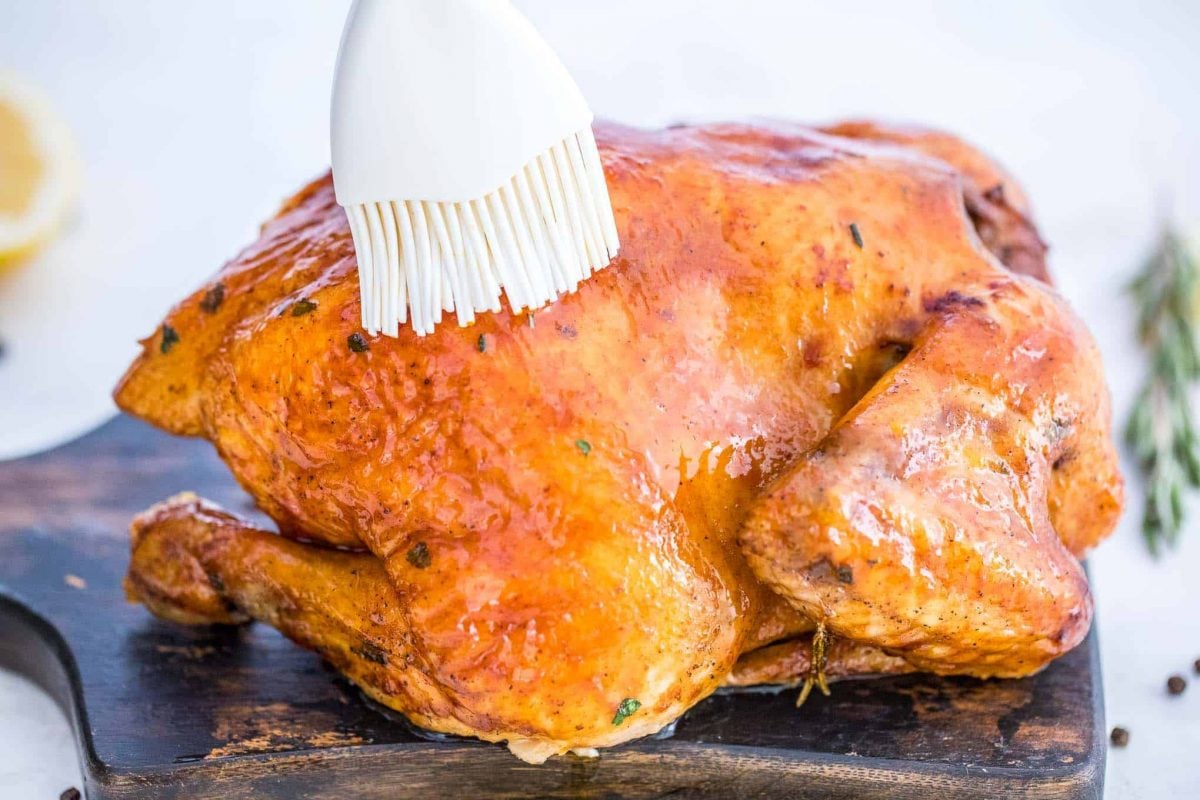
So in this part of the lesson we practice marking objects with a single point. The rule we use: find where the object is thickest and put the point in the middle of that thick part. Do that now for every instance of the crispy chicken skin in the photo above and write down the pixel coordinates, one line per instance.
(823, 382)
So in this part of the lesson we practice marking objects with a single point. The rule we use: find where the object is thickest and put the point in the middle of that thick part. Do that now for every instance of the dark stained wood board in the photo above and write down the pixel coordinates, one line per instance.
(165, 711)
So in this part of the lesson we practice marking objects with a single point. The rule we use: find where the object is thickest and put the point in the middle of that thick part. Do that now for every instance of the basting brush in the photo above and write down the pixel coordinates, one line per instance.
(464, 157)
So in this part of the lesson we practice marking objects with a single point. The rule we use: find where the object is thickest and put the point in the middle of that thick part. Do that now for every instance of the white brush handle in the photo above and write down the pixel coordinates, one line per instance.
(444, 100)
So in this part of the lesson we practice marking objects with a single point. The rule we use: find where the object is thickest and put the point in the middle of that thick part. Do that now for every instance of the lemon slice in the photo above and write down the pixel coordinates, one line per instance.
(39, 169)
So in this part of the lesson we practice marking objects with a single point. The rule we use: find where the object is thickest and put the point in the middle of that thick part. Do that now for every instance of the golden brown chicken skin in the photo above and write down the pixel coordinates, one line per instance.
(807, 391)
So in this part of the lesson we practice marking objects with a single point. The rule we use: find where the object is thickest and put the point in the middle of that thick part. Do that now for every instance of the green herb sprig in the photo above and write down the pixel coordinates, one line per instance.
(1161, 429)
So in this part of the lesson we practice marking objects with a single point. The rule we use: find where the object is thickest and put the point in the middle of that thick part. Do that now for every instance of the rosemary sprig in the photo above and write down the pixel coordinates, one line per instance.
(1161, 429)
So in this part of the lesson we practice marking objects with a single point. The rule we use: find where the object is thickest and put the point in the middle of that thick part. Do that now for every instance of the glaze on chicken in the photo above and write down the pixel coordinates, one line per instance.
(825, 385)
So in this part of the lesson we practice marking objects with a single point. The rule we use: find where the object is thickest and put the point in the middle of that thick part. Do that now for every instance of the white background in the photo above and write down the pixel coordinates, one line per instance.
(196, 118)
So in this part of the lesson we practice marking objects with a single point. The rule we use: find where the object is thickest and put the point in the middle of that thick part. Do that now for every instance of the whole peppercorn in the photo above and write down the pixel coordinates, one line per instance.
(1176, 684)
(1196, 666)
(1119, 737)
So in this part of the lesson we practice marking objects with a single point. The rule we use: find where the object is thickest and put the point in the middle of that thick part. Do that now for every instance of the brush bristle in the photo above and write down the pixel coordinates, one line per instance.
(534, 238)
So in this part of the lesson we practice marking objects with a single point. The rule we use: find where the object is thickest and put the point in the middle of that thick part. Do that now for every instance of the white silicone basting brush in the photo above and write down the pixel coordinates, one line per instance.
(464, 157)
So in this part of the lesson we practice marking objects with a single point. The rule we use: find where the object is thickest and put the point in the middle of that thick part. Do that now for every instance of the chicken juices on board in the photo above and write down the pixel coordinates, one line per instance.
(823, 383)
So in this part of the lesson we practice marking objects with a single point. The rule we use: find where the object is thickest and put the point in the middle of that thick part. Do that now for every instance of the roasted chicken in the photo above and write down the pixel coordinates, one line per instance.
(824, 387)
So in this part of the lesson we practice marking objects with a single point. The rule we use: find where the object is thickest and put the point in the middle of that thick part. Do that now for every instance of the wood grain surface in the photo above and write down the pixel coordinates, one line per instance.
(162, 711)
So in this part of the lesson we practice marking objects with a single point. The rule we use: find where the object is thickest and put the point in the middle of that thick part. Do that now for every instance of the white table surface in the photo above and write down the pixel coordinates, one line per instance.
(196, 118)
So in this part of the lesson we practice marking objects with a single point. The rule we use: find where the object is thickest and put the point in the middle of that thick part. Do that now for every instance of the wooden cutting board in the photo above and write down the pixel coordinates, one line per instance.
(162, 711)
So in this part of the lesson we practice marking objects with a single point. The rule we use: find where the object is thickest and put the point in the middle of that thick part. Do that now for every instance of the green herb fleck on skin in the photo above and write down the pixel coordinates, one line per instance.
(303, 307)
(212, 299)
(625, 710)
(169, 339)
(1161, 429)
(418, 555)
(854, 232)
(357, 343)
(583, 446)
(481, 344)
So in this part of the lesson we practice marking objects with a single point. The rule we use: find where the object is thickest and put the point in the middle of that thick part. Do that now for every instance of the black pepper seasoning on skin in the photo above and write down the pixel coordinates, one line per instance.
(357, 343)
(169, 339)
(419, 556)
(1176, 685)
(856, 235)
(481, 344)
(212, 299)
(303, 307)
(370, 652)
(845, 574)
(1119, 737)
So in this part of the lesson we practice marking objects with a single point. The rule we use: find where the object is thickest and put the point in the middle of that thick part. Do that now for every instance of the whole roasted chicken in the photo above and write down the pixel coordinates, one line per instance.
(823, 416)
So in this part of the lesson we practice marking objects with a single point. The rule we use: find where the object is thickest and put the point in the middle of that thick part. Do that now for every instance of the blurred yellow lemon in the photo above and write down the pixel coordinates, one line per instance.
(39, 170)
